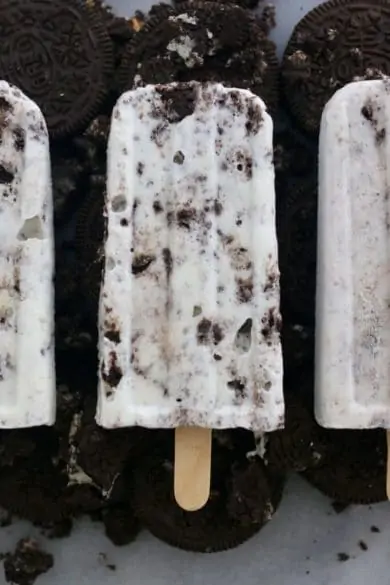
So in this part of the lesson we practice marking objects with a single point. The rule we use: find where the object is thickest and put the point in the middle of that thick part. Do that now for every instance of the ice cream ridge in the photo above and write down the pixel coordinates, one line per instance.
(189, 321)
(353, 283)
(27, 376)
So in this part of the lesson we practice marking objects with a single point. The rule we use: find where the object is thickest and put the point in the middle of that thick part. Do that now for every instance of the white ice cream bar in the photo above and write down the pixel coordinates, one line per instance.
(27, 379)
(189, 309)
(353, 286)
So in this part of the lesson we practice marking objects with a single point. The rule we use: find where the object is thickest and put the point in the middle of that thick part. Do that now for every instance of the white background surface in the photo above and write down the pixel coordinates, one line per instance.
(298, 547)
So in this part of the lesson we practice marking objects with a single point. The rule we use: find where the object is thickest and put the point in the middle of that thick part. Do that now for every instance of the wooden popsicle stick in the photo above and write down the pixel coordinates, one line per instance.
(192, 467)
(388, 466)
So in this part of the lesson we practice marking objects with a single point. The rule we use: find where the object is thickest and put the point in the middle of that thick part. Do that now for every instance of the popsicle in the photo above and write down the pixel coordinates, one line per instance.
(353, 285)
(27, 378)
(189, 310)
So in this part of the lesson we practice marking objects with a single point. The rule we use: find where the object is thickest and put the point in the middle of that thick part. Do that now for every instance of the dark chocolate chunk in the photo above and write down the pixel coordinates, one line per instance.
(335, 43)
(114, 374)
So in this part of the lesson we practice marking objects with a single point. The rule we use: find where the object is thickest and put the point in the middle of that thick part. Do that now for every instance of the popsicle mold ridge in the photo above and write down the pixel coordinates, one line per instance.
(189, 311)
(352, 387)
(27, 372)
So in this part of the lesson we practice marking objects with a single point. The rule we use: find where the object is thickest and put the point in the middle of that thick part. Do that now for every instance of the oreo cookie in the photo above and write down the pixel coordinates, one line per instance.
(299, 446)
(294, 155)
(297, 236)
(249, 4)
(254, 492)
(161, 10)
(90, 243)
(60, 55)
(32, 489)
(298, 345)
(354, 469)
(232, 515)
(336, 43)
(69, 178)
(15, 445)
(82, 499)
(203, 42)
(120, 525)
(74, 329)
(102, 454)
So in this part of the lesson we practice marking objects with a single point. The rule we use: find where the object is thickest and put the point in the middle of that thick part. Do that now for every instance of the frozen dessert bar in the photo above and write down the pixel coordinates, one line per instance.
(189, 311)
(27, 378)
(353, 286)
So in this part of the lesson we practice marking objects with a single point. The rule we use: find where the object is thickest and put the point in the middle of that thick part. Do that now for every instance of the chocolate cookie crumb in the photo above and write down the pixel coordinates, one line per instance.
(202, 41)
(27, 563)
(114, 374)
(339, 507)
(168, 261)
(121, 526)
(353, 468)
(203, 331)
(61, 529)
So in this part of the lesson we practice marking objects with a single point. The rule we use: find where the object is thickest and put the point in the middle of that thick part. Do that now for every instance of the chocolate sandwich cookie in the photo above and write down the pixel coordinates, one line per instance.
(249, 4)
(300, 445)
(295, 156)
(90, 222)
(297, 236)
(120, 524)
(82, 499)
(298, 345)
(336, 43)
(69, 179)
(15, 445)
(119, 29)
(74, 329)
(229, 518)
(102, 454)
(254, 493)
(32, 489)
(267, 18)
(203, 42)
(354, 469)
(60, 55)
(160, 10)
(90, 243)
(92, 146)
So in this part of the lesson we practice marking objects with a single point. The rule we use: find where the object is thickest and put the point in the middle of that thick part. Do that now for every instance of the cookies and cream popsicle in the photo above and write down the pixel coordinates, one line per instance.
(27, 377)
(189, 310)
(353, 286)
